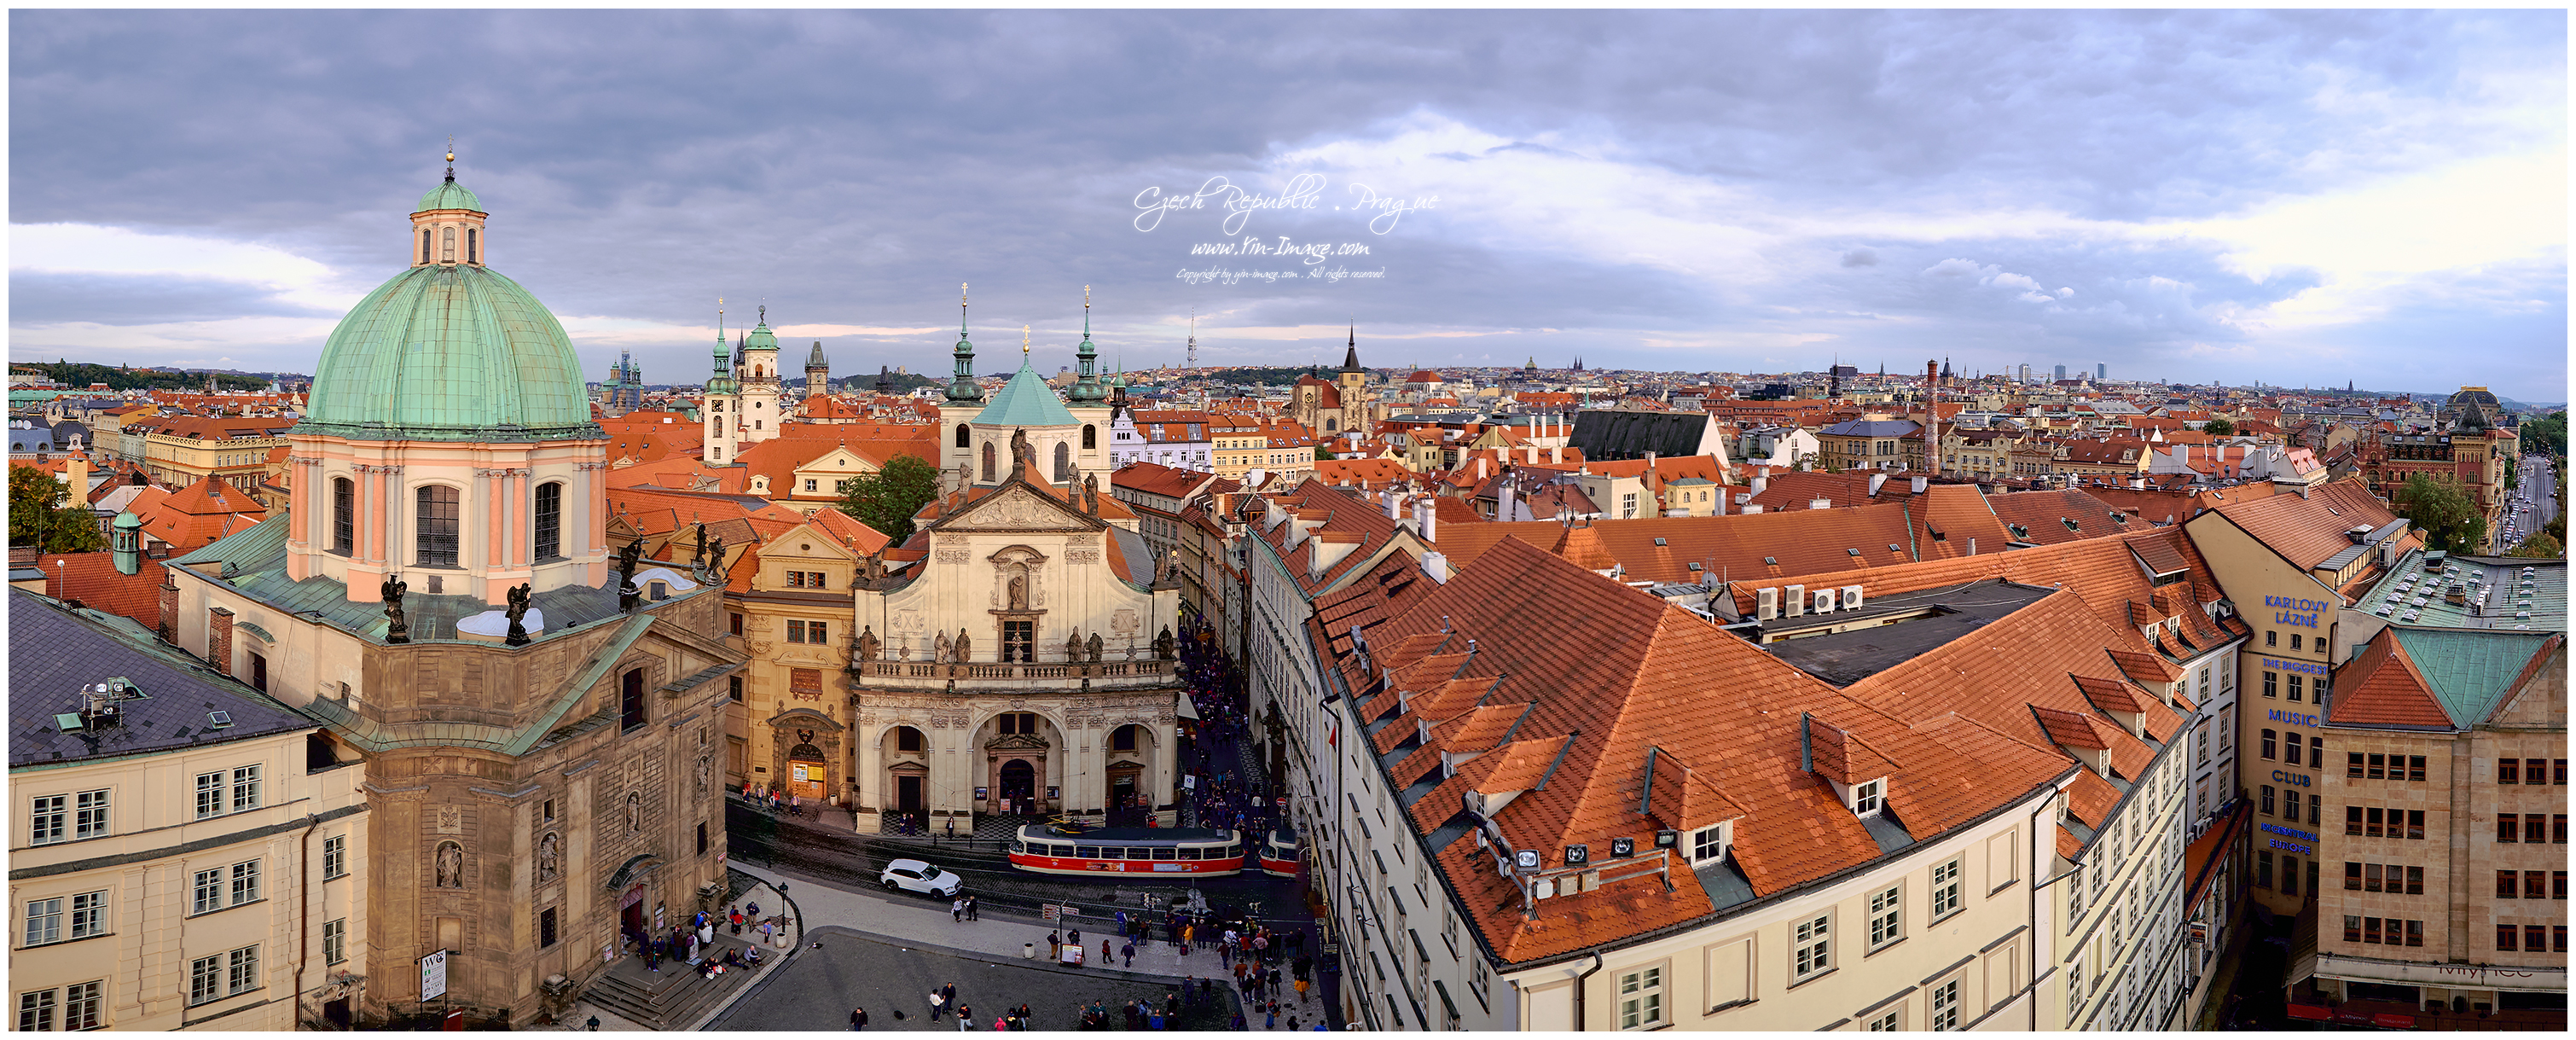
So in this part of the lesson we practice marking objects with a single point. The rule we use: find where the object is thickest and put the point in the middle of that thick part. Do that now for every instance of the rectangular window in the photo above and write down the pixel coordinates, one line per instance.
(2532, 937)
(1707, 845)
(546, 928)
(2290, 748)
(245, 882)
(1641, 999)
(36, 1011)
(335, 940)
(1886, 917)
(89, 815)
(47, 819)
(2290, 805)
(2508, 938)
(2557, 938)
(436, 509)
(2558, 884)
(2415, 768)
(1865, 798)
(2370, 877)
(2508, 771)
(1945, 889)
(2264, 795)
(44, 921)
(1813, 947)
(2262, 870)
(2351, 928)
(335, 857)
(2558, 771)
(2317, 751)
(548, 540)
(1888, 1023)
(2415, 824)
(2370, 822)
(2351, 876)
(205, 979)
(242, 969)
(2508, 829)
(1945, 1006)
(208, 892)
(2532, 882)
(2289, 875)
(2378, 767)
(2370, 929)
(2557, 827)
(2414, 881)
(89, 914)
(2414, 933)
(2271, 738)
(245, 788)
(2295, 693)
(2271, 684)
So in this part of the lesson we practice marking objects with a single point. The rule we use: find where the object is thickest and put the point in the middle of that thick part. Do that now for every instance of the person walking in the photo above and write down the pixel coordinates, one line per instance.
(1301, 989)
(936, 1002)
(1270, 1018)
(858, 1019)
(1128, 953)
(957, 910)
(970, 908)
(950, 991)
(1104, 953)
(965, 1018)
(1055, 947)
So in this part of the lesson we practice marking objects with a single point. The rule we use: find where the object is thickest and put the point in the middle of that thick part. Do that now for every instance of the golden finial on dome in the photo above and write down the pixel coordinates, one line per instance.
(1024, 341)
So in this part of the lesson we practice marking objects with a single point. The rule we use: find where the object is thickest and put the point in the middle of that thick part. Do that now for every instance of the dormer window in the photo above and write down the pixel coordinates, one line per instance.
(1867, 798)
(1708, 845)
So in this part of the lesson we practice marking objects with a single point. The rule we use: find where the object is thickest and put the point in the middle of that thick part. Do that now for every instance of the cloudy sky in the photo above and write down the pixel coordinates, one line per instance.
(2300, 198)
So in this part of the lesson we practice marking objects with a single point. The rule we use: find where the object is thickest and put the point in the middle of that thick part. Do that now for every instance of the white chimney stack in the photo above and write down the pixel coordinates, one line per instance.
(1820, 503)
(1391, 508)
(1761, 479)
(1428, 517)
(1920, 483)
(1437, 566)
(1876, 481)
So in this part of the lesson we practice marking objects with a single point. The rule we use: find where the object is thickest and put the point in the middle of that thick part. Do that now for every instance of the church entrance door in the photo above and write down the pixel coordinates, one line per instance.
(907, 794)
(1122, 788)
(630, 911)
(806, 772)
(1019, 781)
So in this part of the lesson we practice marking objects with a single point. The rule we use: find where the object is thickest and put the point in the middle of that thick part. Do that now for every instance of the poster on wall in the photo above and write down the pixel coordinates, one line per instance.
(433, 975)
(1051, 794)
(983, 793)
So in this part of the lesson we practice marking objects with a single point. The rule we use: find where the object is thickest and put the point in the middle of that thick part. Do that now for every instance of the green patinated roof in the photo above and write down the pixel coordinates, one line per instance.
(2470, 670)
(1025, 401)
(761, 338)
(451, 351)
(450, 195)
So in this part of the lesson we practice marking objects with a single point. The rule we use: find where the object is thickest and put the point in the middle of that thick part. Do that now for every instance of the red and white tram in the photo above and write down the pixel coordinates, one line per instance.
(1279, 852)
(1058, 849)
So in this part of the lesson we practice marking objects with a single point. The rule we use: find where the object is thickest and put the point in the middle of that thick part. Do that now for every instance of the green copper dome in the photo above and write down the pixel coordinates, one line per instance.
(1025, 401)
(761, 338)
(450, 195)
(449, 352)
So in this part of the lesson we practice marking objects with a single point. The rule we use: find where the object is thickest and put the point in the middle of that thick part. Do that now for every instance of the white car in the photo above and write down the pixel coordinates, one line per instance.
(912, 875)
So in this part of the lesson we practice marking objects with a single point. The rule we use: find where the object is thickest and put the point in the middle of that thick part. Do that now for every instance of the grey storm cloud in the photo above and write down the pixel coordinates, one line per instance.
(44, 297)
(852, 168)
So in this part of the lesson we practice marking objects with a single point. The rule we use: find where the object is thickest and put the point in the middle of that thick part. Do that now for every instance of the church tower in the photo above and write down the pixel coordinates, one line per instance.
(818, 372)
(761, 388)
(1353, 381)
(965, 400)
(724, 402)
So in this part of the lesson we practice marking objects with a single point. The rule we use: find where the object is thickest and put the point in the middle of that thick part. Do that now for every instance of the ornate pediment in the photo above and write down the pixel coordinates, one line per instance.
(1017, 507)
(1016, 742)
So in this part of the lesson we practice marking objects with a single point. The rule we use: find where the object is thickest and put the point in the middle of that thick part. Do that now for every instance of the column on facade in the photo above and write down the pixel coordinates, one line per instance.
(487, 497)
(379, 519)
(871, 763)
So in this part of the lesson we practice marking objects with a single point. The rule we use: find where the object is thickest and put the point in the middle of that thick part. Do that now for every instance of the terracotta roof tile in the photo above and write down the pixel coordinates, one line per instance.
(2381, 687)
(2070, 729)
(2145, 667)
(2308, 530)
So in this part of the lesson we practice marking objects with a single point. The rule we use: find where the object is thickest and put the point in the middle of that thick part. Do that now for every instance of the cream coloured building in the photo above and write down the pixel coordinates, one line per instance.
(187, 859)
(1018, 654)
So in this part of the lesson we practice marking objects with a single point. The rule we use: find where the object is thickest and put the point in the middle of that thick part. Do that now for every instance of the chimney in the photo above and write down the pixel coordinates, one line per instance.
(1556, 454)
(1761, 479)
(1932, 417)
(1820, 503)
(1721, 503)
(1876, 481)
(1920, 483)
(1392, 512)
(169, 611)
(1503, 501)
(76, 470)
(1429, 521)
(219, 639)
(1437, 566)
(1972, 547)
(1650, 460)
(1480, 469)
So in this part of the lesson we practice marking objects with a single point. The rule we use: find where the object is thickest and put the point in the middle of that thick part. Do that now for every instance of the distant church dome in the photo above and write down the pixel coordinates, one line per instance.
(450, 349)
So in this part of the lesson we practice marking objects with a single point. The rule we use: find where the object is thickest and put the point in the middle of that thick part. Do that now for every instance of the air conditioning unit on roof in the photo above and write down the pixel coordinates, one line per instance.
(1766, 604)
(1851, 597)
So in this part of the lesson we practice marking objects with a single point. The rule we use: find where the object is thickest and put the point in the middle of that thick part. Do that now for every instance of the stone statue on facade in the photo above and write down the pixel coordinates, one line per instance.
(1091, 494)
(549, 856)
(1164, 649)
(397, 627)
(1019, 592)
(1073, 647)
(1094, 648)
(627, 593)
(520, 596)
(704, 767)
(939, 649)
(701, 561)
(869, 643)
(964, 644)
(451, 865)
(1024, 455)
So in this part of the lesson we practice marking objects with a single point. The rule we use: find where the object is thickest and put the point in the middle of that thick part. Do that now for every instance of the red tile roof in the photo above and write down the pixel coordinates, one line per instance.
(92, 579)
(2308, 530)
(2381, 687)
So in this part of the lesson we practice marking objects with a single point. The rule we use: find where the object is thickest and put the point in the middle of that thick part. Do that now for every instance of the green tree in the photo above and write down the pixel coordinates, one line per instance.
(2539, 546)
(1323, 453)
(2218, 428)
(40, 514)
(2546, 435)
(2450, 520)
(887, 498)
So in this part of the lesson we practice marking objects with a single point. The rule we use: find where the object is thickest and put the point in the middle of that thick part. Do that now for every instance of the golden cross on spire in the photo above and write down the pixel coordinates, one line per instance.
(1086, 297)
(961, 294)
(1024, 341)
(451, 148)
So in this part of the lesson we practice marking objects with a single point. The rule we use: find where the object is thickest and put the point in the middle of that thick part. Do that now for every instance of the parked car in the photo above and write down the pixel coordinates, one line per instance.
(912, 875)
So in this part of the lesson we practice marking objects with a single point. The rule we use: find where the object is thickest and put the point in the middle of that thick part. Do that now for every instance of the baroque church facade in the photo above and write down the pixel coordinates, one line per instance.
(537, 721)
(742, 399)
(1337, 406)
(1017, 653)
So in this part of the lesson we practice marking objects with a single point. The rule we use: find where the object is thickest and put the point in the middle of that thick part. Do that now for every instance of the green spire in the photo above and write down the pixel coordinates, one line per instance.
(722, 382)
(1086, 388)
(961, 386)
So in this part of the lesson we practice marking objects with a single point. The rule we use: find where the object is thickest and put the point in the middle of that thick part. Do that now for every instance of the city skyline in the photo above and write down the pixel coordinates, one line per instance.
(2193, 217)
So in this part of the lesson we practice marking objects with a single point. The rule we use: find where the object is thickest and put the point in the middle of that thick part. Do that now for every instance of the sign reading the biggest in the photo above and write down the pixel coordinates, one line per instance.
(2295, 612)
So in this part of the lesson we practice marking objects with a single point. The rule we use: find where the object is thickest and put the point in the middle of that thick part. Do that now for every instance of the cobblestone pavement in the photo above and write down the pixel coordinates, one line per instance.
(818, 989)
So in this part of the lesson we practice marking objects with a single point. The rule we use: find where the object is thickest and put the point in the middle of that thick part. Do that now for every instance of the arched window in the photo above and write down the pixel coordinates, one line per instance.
(961, 435)
(436, 536)
(447, 246)
(1090, 437)
(907, 738)
(424, 245)
(1123, 738)
(1063, 461)
(471, 256)
(549, 521)
(344, 515)
(988, 460)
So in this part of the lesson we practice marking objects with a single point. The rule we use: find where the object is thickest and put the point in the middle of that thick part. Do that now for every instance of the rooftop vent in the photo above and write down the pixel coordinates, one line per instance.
(219, 719)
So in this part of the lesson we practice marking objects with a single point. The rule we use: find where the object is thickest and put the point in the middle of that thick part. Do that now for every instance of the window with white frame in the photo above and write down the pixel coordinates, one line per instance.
(335, 941)
(205, 979)
(210, 794)
(1479, 978)
(1891, 1022)
(208, 889)
(335, 857)
(44, 921)
(89, 915)
(245, 882)
(1886, 916)
(1865, 798)
(1812, 948)
(245, 788)
(89, 814)
(1708, 845)
(1945, 888)
(241, 969)
(36, 1011)
(1641, 998)
(2075, 990)
(1945, 1007)
(46, 819)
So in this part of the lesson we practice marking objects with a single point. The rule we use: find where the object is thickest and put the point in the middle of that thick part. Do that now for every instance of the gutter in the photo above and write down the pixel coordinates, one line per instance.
(1579, 980)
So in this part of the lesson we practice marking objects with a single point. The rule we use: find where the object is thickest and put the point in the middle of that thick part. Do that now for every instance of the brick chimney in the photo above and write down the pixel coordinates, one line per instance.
(219, 639)
(169, 625)
(1932, 416)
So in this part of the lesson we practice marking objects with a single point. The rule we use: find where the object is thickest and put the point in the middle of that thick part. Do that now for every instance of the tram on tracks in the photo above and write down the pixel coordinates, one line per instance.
(1054, 848)
(1279, 852)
